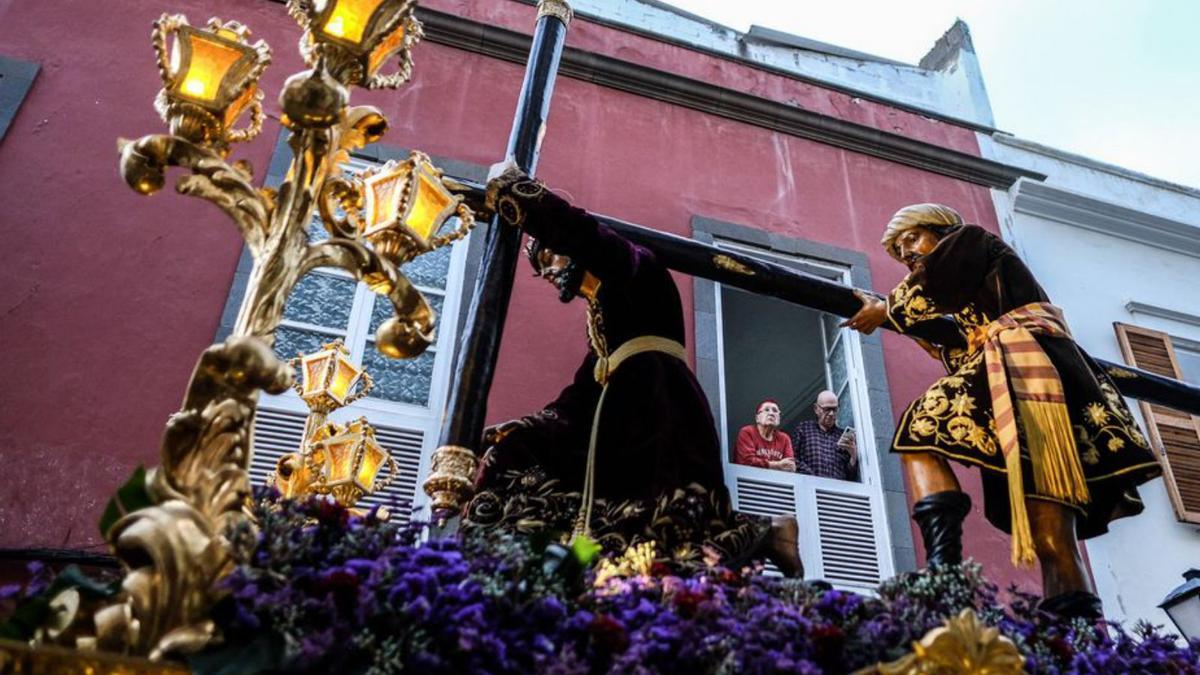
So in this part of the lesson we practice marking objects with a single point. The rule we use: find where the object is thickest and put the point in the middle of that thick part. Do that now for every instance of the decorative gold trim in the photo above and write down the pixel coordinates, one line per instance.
(730, 265)
(1121, 373)
(188, 118)
(358, 63)
(559, 9)
(176, 550)
(451, 476)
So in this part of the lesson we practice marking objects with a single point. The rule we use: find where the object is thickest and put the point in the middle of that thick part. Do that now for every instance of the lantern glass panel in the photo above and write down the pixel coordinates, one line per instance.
(350, 18)
(340, 451)
(426, 214)
(235, 109)
(314, 372)
(383, 197)
(1186, 615)
(388, 46)
(210, 61)
(344, 378)
(373, 457)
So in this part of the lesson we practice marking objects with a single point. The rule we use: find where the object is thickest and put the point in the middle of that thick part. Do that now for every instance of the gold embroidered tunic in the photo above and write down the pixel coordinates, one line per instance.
(975, 278)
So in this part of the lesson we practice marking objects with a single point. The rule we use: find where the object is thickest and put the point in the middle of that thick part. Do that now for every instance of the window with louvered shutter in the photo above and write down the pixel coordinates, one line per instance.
(409, 394)
(279, 432)
(844, 537)
(1175, 435)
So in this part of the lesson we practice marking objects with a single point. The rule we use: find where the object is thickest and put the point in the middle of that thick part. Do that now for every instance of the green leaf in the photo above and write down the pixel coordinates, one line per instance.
(73, 577)
(26, 619)
(35, 611)
(585, 549)
(130, 497)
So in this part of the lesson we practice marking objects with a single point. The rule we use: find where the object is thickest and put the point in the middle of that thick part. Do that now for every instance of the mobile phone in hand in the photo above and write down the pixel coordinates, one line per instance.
(847, 437)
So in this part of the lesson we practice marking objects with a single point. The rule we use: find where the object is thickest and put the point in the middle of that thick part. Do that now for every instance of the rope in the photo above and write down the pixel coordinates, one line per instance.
(605, 367)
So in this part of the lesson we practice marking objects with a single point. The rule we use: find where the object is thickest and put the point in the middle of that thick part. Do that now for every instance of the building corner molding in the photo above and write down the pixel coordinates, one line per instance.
(1135, 307)
(1089, 213)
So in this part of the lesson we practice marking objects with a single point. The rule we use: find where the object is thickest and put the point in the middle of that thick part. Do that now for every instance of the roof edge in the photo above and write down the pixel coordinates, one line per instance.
(1040, 148)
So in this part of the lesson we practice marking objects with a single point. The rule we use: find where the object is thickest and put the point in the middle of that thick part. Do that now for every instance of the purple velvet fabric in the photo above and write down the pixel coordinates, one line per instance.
(656, 432)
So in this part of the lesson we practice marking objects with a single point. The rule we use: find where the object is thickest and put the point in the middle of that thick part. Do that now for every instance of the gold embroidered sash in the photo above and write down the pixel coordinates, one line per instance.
(604, 369)
(1017, 366)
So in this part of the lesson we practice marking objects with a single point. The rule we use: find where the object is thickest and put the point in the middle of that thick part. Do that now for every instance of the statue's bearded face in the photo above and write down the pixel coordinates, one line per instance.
(914, 243)
(768, 415)
(560, 272)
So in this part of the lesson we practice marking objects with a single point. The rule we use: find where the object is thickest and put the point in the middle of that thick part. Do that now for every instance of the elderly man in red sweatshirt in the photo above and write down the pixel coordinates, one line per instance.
(761, 444)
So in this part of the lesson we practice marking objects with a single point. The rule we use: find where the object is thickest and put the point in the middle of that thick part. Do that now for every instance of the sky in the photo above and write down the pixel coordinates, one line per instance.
(1113, 80)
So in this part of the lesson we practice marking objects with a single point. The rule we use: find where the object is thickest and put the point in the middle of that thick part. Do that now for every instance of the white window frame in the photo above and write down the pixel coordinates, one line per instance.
(806, 487)
(427, 418)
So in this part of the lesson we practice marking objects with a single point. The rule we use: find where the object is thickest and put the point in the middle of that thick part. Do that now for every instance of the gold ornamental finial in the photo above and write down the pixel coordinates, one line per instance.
(556, 8)
(450, 478)
(963, 645)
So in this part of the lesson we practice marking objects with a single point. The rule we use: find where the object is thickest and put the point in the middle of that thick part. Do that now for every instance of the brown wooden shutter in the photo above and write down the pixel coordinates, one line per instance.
(1175, 434)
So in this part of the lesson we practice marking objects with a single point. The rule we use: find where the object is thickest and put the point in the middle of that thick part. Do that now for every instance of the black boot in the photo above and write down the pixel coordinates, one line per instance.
(1073, 605)
(940, 517)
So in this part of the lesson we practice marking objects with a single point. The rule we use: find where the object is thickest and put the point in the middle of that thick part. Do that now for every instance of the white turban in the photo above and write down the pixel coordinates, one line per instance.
(933, 216)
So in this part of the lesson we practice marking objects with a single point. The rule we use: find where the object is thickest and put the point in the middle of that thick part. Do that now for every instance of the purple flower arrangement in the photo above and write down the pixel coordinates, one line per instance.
(322, 591)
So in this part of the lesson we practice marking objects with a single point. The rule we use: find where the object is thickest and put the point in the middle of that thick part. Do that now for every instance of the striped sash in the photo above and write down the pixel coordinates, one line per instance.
(1018, 367)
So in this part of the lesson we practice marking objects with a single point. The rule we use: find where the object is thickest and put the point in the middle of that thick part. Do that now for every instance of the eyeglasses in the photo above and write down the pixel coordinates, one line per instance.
(827, 408)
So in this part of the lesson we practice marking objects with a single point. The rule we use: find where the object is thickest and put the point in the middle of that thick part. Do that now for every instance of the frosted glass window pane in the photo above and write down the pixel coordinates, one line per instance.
(1189, 364)
(837, 366)
(429, 269)
(316, 230)
(830, 323)
(291, 342)
(321, 300)
(845, 416)
(382, 311)
(402, 380)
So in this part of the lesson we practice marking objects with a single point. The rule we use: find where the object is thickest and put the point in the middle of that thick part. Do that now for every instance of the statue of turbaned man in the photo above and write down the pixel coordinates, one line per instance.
(628, 452)
(1060, 453)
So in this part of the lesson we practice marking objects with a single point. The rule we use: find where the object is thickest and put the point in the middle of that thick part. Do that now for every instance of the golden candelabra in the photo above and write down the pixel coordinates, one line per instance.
(340, 460)
(175, 550)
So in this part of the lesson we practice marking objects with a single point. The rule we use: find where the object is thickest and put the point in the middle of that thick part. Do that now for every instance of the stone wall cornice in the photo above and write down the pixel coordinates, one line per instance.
(468, 35)
(1089, 213)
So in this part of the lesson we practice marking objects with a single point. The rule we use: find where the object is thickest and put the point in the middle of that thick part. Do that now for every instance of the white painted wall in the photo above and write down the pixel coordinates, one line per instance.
(956, 91)
(1093, 275)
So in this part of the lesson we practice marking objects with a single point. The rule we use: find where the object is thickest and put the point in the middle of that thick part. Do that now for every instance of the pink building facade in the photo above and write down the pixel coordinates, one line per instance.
(109, 297)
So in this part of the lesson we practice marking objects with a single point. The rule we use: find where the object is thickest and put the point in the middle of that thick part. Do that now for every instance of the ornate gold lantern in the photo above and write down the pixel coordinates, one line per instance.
(210, 77)
(346, 461)
(328, 378)
(340, 460)
(356, 37)
(407, 204)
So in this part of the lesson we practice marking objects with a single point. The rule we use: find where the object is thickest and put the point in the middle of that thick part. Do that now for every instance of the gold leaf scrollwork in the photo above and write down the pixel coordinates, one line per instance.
(449, 480)
(559, 9)
(962, 646)
(174, 551)
(730, 265)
